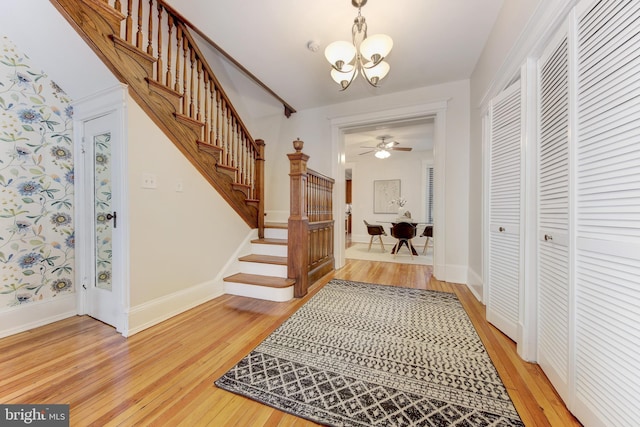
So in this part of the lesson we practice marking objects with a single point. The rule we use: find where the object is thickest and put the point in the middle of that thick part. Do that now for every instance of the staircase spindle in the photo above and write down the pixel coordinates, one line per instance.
(214, 112)
(192, 91)
(178, 56)
(117, 6)
(218, 119)
(169, 77)
(129, 23)
(159, 66)
(199, 93)
(139, 32)
(150, 30)
(185, 87)
(206, 99)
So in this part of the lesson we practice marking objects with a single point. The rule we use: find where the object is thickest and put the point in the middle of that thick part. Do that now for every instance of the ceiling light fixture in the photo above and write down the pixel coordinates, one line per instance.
(368, 52)
(382, 154)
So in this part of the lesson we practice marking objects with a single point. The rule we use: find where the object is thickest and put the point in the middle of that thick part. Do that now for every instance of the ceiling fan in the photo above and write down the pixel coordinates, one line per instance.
(383, 147)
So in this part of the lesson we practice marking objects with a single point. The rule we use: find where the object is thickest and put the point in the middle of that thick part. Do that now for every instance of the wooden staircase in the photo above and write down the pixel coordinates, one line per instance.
(148, 46)
(263, 273)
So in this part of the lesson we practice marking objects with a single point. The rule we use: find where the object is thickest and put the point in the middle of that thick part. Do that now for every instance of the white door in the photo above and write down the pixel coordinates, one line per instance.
(553, 215)
(103, 290)
(504, 258)
(607, 259)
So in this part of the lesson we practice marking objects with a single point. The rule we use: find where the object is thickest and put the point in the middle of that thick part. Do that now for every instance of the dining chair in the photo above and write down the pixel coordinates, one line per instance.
(428, 233)
(375, 231)
(404, 232)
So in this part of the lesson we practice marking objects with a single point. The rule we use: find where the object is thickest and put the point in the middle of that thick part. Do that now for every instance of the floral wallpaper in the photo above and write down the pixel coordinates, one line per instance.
(36, 183)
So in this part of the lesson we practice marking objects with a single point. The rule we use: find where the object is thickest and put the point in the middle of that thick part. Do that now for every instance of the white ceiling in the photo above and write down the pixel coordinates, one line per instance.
(435, 41)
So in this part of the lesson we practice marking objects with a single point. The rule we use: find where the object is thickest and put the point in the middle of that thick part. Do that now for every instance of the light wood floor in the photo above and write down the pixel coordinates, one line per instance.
(164, 375)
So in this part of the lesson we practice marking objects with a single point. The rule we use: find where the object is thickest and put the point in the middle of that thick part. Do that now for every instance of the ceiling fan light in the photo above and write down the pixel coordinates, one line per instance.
(340, 51)
(382, 154)
(376, 47)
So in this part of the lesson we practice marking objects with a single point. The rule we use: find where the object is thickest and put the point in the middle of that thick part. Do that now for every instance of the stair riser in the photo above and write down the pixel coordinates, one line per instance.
(275, 233)
(263, 269)
(275, 250)
(260, 292)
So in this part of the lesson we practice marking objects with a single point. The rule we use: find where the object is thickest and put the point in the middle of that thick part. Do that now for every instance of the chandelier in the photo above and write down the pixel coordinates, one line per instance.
(364, 55)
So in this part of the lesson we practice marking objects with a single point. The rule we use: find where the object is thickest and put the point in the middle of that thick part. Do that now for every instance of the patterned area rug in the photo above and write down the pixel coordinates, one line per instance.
(358, 354)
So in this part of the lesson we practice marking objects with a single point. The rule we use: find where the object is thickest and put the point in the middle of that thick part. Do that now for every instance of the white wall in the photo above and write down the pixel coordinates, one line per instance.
(180, 239)
(410, 174)
(39, 29)
(314, 127)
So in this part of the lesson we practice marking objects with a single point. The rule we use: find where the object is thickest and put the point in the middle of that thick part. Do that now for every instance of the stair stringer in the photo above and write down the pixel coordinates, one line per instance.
(99, 26)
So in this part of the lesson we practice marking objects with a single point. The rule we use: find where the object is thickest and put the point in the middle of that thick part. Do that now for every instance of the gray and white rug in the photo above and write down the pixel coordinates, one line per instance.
(358, 354)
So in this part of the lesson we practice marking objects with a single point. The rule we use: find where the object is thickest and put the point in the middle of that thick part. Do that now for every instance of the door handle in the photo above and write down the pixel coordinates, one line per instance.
(501, 229)
(113, 217)
(548, 237)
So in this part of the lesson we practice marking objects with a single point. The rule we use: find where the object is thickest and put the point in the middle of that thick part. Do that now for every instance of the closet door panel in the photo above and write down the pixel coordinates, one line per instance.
(607, 333)
(504, 212)
(553, 215)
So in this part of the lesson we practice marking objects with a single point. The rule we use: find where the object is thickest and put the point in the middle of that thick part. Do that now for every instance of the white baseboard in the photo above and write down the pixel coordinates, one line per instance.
(475, 285)
(455, 274)
(160, 309)
(32, 315)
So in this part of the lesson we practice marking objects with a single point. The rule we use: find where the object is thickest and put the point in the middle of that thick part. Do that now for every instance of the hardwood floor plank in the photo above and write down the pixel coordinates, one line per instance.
(165, 375)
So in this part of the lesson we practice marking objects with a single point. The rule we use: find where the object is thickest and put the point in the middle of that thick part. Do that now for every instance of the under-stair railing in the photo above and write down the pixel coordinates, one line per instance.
(152, 26)
(311, 223)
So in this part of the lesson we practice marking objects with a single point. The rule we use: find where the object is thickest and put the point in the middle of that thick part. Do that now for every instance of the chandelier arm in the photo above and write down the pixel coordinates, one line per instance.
(376, 60)
(352, 79)
(366, 77)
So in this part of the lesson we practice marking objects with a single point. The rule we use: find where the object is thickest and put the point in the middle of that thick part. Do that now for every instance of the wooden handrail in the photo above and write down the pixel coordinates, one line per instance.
(311, 224)
(288, 109)
(180, 66)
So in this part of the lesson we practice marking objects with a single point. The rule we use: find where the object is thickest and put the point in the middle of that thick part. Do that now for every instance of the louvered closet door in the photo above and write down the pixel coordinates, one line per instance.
(504, 213)
(553, 215)
(607, 333)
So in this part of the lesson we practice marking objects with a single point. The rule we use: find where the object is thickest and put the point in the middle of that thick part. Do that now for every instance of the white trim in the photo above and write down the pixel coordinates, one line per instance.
(528, 312)
(108, 101)
(475, 284)
(340, 124)
(152, 312)
(21, 318)
(455, 273)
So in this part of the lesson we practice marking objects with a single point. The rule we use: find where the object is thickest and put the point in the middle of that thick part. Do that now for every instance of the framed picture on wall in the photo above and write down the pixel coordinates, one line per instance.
(384, 191)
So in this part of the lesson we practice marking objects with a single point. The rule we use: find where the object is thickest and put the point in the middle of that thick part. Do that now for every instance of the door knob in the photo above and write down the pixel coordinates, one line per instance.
(113, 217)
(548, 237)
(501, 229)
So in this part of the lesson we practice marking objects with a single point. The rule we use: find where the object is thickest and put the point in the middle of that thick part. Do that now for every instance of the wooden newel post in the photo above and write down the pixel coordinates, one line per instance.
(260, 186)
(298, 244)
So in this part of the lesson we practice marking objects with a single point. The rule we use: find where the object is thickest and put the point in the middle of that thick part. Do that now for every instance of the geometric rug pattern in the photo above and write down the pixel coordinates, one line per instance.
(359, 354)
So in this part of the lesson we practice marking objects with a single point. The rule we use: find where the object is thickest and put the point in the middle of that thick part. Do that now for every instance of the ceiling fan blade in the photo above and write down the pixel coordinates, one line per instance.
(400, 148)
(366, 152)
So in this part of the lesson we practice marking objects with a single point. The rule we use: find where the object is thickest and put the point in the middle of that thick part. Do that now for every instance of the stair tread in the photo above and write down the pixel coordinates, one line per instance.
(260, 280)
(283, 225)
(270, 241)
(265, 259)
